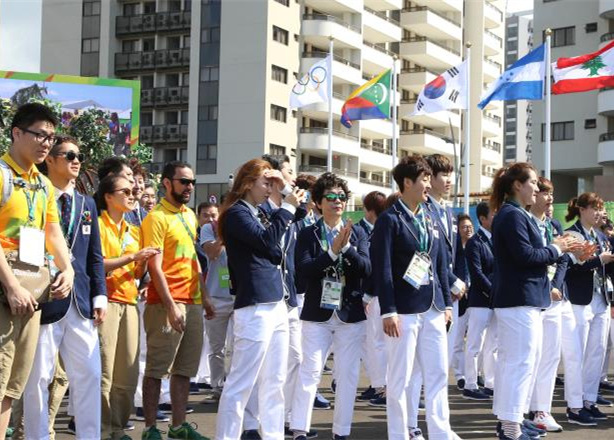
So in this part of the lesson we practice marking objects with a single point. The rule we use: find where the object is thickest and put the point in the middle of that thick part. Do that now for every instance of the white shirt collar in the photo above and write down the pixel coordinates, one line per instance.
(251, 207)
(59, 192)
(486, 232)
(368, 223)
(406, 208)
(336, 228)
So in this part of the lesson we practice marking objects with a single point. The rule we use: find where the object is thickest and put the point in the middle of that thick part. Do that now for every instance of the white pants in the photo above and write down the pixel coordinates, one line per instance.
(294, 359)
(217, 330)
(519, 329)
(571, 350)
(317, 338)
(592, 327)
(606, 362)
(456, 338)
(76, 339)
(481, 339)
(260, 355)
(165, 386)
(550, 357)
(375, 346)
(423, 342)
(203, 375)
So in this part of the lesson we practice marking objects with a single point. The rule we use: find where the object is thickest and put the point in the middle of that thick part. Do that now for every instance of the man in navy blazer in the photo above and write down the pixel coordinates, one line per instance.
(409, 261)
(69, 324)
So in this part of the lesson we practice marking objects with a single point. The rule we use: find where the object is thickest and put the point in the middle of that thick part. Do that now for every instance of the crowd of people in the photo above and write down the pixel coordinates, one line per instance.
(133, 304)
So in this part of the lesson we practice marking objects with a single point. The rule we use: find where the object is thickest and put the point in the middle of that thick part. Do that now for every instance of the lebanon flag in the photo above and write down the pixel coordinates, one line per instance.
(584, 72)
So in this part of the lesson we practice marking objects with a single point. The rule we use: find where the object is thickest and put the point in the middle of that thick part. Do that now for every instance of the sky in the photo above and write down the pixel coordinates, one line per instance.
(17, 52)
(519, 5)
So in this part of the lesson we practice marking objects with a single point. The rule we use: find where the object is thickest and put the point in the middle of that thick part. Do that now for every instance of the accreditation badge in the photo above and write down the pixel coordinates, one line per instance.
(551, 271)
(32, 246)
(331, 293)
(223, 277)
(418, 270)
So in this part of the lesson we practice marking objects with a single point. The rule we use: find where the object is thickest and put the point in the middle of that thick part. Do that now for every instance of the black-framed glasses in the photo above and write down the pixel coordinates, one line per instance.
(126, 191)
(40, 137)
(186, 182)
(71, 155)
(331, 197)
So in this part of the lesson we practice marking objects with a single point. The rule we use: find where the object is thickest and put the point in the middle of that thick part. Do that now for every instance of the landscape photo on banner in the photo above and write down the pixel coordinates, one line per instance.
(118, 99)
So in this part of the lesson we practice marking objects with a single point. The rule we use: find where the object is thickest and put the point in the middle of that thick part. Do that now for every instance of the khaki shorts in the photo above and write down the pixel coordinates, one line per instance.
(18, 342)
(170, 352)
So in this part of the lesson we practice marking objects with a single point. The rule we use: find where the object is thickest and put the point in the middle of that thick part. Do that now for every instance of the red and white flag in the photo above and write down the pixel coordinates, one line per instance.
(585, 72)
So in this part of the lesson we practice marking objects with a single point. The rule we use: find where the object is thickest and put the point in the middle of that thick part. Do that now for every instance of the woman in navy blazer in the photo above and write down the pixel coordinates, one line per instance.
(520, 291)
(260, 317)
(328, 252)
(589, 286)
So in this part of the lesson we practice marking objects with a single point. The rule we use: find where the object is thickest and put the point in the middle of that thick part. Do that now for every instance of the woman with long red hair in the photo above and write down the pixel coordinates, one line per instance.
(260, 315)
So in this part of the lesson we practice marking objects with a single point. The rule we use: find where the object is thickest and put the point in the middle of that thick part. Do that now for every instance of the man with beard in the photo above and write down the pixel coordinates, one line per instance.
(175, 299)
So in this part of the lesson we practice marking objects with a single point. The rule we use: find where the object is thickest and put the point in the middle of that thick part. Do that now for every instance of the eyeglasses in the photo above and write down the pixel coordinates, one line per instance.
(40, 137)
(71, 155)
(186, 182)
(127, 192)
(331, 197)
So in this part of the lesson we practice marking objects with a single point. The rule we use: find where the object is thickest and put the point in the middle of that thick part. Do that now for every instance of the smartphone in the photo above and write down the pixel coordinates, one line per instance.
(307, 196)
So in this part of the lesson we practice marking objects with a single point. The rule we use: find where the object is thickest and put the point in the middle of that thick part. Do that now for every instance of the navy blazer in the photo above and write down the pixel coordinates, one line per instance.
(367, 282)
(312, 262)
(87, 264)
(579, 277)
(136, 216)
(521, 260)
(462, 272)
(392, 248)
(481, 263)
(450, 239)
(561, 266)
(254, 254)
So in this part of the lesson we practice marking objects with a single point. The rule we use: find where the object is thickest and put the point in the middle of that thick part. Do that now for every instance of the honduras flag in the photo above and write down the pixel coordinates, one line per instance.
(523, 80)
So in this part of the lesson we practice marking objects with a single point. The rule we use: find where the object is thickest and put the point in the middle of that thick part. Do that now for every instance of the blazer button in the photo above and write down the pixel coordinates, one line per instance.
(278, 267)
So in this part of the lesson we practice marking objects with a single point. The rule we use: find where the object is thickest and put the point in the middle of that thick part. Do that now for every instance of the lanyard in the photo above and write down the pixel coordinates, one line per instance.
(549, 232)
(326, 245)
(185, 225)
(31, 200)
(420, 224)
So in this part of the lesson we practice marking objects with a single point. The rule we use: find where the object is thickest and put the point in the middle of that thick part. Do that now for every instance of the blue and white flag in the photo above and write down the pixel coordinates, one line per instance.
(523, 80)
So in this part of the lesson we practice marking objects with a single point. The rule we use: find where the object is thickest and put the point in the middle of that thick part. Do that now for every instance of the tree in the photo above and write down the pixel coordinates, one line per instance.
(593, 66)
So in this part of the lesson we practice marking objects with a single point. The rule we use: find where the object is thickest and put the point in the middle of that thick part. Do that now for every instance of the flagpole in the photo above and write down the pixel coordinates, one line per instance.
(329, 160)
(394, 120)
(547, 144)
(467, 131)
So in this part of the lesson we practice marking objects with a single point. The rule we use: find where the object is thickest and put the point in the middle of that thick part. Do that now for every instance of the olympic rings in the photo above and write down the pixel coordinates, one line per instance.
(315, 76)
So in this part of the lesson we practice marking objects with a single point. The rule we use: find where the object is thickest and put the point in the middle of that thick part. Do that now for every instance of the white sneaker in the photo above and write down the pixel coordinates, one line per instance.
(415, 434)
(547, 421)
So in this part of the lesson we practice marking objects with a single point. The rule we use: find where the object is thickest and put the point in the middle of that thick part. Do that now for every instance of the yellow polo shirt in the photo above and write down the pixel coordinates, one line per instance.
(117, 240)
(166, 227)
(14, 213)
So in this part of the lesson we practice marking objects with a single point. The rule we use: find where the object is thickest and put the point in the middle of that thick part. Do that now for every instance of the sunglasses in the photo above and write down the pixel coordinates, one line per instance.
(127, 192)
(186, 182)
(71, 155)
(331, 197)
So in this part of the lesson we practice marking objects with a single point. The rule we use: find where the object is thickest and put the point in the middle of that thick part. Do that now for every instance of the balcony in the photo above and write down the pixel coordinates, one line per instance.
(375, 59)
(379, 28)
(605, 101)
(493, 44)
(492, 69)
(442, 5)
(152, 23)
(315, 139)
(319, 169)
(374, 182)
(491, 153)
(345, 71)
(375, 156)
(605, 39)
(424, 20)
(317, 28)
(146, 134)
(425, 141)
(439, 119)
(429, 53)
(491, 125)
(605, 149)
(164, 134)
(606, 9)
(335, 6)
(415, 78)
(493, 17)
(159, 59)
(376, 128)
(319, 110)
(384, 5)
(165, 96)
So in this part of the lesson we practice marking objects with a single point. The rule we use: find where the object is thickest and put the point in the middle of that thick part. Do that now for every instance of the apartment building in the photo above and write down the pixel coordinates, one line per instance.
(582, 123)
(518, 115)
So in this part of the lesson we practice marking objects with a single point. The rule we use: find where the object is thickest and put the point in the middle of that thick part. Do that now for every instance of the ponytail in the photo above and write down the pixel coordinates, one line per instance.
(572, 210)
(503, 183)
(584, 200)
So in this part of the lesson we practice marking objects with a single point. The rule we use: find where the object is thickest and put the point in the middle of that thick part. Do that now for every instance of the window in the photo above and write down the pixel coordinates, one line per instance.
(131, 9)
(279, 74)
(173, 42)
(90, 45)
(210, 73)
(146, 118)
(510, 139)
(174, 5)
(91, 8)
(563, 36)
(149, 7)
(172, 79)
(149, 44)
(171, 118)
(210, 35)
(186, 41)
(280, 35)
(278, 113)
(277, 150)
(512, 32)
(560, 131)
(207, 113)
(147, 81)
(206, 159)
(590, 27)
(283, 2)
(590, 123)
(128, 46)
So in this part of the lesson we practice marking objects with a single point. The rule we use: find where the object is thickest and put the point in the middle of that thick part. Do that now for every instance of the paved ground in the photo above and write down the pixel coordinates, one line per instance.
(471, 420)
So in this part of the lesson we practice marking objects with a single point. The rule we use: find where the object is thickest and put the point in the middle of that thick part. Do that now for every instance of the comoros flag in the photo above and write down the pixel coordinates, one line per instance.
(585, 72)
(369, 101)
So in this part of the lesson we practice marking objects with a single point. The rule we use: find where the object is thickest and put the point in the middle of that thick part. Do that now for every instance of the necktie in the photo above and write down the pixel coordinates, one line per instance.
(263, 218)
(65, 210)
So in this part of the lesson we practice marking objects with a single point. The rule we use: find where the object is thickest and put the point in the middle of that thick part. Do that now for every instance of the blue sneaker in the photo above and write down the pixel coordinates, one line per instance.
(194, 388)
(339, 437)
(320, 402)
(583, 418)
(596, 413)
(160, 416)
(251, 434)
(167, 408)
(367, 394)
(333, 386)
(488, 391)
(475, 395)
(460, 384)
(603, 402)
(71, 427)
(379, 401)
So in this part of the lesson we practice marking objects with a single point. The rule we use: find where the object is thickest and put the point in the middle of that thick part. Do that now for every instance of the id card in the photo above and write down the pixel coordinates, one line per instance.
(223, 277)
(331, 294)
(32, 246)
(417, 273)
(609, 286)
(551, 271)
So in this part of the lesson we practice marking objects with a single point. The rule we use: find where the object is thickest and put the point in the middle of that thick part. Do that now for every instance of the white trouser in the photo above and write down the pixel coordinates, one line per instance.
(571, 350)
(260, 355)
(414, 392)
(165, 386)
(519, 329)
(76, 339)
(422, 341)
(591, 325)
(457, 361)
(217, 330)
(203, 375)
(294, 359)
(481, 338)
(545, 377)
(606, 362)
(375, 346)
(317, 338)
(452, 336)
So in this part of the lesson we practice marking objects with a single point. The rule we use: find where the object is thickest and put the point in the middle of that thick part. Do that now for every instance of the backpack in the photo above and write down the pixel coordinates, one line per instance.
(10, 182)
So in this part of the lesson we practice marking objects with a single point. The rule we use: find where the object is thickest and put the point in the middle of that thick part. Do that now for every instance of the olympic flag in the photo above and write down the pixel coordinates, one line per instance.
(313, 86)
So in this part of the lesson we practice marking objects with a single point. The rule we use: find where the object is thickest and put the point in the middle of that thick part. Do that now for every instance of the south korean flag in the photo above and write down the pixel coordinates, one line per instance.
(447, 91)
